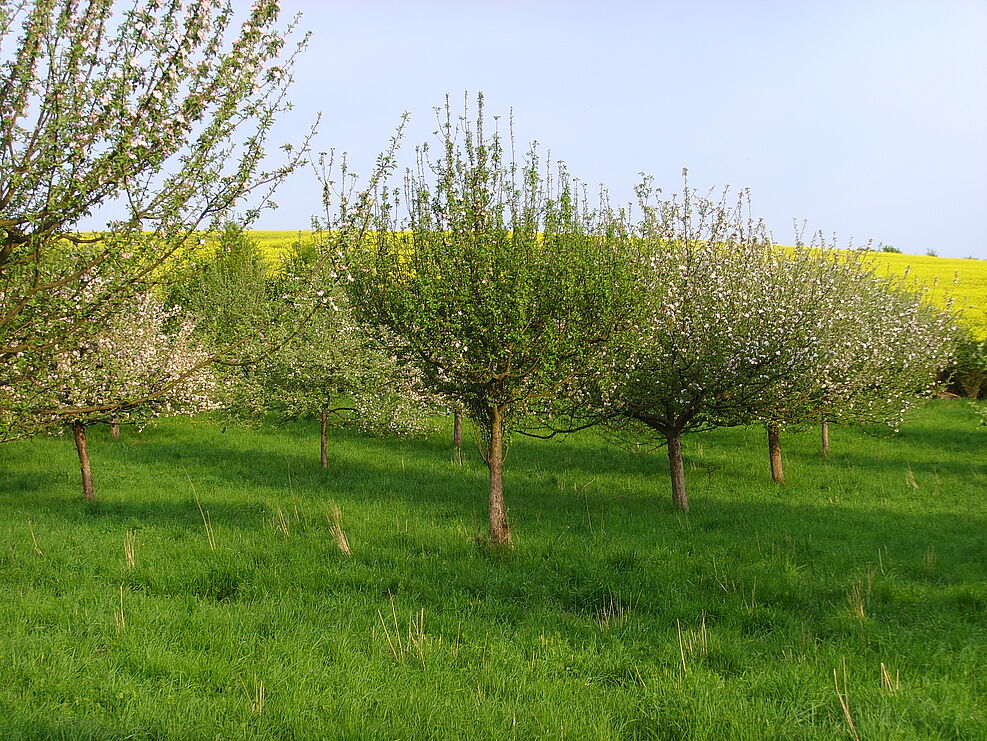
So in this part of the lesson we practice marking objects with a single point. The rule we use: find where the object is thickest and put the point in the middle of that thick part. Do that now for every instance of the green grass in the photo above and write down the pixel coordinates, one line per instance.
(615, 617)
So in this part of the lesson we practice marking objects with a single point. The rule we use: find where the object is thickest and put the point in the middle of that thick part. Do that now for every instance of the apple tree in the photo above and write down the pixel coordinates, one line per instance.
(501, 284)
(151, 122)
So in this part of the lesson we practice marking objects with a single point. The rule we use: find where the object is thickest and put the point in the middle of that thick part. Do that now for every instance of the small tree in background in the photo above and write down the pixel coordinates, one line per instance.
(324, 364)
(227, 286)
(968, 371)
(145, 364)
(502, 287)
(882, 350)
(160, 114)
(302, 355)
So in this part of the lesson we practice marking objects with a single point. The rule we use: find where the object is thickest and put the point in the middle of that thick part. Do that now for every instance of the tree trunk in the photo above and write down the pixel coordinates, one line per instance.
(825, 438)
(675, 467)
(324, 438)
(774, 450)
(971, 384)
(79, 432)
(500, 530)
(457, 436)
(115, 430)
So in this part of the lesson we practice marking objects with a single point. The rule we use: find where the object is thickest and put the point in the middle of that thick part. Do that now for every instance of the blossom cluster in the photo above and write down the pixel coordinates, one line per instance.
(145, 363)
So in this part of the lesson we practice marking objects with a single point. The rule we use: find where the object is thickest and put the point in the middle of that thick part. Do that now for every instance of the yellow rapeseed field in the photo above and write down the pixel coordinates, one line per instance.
(959, 284)
(273, 243)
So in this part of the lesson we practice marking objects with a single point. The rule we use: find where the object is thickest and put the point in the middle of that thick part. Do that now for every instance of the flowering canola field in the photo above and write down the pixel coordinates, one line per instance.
(960, 284)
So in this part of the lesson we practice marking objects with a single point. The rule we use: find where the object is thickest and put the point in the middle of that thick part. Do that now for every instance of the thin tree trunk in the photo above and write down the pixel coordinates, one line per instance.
(500, 530)
(774, 450)
(825, 438)
(79, 432)
(457, 436)
(675, 467)
(324, 438)
(115, 430)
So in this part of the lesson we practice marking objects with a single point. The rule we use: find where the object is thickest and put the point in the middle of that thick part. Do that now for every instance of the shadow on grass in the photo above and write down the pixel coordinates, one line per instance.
(747, 559)
(580, 487)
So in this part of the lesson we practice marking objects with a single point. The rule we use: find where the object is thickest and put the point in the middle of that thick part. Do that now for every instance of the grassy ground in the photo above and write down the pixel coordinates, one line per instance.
(852, 603)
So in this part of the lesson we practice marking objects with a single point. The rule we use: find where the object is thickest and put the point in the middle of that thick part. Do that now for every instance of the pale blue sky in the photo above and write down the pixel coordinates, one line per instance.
(867, 119)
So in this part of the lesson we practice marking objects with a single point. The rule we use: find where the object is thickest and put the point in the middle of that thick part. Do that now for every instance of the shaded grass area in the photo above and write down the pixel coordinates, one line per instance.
(850, 603)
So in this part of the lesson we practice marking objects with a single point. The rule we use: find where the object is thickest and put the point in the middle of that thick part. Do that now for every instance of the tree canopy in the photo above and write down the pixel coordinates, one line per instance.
(500, 282)
(159, 115)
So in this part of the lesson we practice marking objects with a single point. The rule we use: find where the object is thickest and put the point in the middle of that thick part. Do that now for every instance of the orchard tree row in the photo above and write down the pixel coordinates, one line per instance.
(540, 311)
(482, 280)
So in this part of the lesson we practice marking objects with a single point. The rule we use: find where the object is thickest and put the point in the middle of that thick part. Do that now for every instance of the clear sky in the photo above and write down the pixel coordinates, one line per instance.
(865, 118)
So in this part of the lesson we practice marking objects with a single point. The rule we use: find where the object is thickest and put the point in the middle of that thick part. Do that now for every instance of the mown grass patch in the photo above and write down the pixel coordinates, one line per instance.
(204, 594)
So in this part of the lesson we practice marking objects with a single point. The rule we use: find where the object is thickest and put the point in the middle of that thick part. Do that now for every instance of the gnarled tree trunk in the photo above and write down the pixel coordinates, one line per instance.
(500, 531)
(82, 448)
(825, 438)
(115, 430)
(774, 450)
(677, 470)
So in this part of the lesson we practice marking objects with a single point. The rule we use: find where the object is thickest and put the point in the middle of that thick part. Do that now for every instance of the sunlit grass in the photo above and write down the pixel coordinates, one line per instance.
(206, 594)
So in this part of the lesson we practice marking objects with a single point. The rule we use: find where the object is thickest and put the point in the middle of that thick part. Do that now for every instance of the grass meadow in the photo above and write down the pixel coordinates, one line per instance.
(204, 595)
